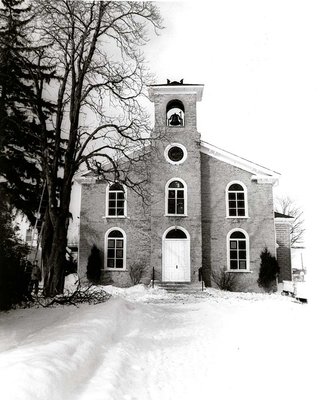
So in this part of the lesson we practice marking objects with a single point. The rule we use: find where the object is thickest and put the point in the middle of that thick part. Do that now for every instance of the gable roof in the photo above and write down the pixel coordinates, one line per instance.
(82, 173)
(260, 174)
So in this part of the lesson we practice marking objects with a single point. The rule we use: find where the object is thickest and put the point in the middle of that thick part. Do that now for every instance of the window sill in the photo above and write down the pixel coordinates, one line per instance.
(176, 215)
(239, 271)
(239, 217)
(115, 269)
(115, 216)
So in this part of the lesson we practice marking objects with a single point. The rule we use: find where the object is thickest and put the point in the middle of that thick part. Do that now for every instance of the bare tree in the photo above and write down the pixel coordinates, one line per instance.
(287, 206)
(99, 118)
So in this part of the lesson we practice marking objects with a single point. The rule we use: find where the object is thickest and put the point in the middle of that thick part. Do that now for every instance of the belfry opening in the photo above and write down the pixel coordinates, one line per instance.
(175, 113)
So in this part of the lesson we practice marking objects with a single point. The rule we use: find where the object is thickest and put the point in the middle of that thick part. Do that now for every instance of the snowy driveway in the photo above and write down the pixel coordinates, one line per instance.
(148, 345)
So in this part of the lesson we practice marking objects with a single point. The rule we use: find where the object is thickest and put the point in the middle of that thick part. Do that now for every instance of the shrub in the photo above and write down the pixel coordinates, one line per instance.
(13, 282)
(224, 280)
(94, 265)
(136, 270)
(269, 270)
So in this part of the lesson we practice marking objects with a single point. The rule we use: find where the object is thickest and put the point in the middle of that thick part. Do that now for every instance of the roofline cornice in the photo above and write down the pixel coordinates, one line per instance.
(85, 180)
(260, 174)
(287, 221)
(176, 89)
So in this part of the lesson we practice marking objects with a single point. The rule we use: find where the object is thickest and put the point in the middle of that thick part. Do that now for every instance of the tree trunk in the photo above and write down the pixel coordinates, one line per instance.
(47, 240)
(54, 276)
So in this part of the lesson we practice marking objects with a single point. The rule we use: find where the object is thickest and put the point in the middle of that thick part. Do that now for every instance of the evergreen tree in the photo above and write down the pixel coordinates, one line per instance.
(19, 128)
(13, 275)
(95, 48)
(269, 270)
(94, 265)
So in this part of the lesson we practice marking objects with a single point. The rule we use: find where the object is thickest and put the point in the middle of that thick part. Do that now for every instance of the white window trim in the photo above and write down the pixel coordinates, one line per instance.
(247, 251)
(182, 147)
(166, 195)
(175, 227)
(107, 202)
(245, 201)
(106, 249)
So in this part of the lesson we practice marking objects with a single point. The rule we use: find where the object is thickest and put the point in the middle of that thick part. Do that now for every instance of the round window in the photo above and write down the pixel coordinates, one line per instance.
(175, 153)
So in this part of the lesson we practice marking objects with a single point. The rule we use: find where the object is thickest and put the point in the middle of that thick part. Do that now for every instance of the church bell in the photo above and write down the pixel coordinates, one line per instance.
(175, 119)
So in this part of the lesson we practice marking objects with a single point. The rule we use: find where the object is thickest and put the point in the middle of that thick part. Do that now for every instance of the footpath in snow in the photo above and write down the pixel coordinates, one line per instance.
(146, 344)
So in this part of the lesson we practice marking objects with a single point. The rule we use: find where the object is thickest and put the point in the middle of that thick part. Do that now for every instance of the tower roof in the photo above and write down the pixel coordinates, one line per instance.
(176, 83)
(176, 87)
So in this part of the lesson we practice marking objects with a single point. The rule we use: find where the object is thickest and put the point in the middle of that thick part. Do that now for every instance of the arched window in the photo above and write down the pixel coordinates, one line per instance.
(176, 197)
(115, 249)
(175, 113)
(236, 202)
(238, 250)
(116, 201)
(176, 234)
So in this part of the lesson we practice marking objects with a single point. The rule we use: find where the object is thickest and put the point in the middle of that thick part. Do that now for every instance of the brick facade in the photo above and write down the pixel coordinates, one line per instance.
(206, 176)
(283, 248)
(259, 225)
(94, 225)
(189, 171)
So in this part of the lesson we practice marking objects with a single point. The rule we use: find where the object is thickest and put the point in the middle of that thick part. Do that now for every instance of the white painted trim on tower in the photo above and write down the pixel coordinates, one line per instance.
(166, 198)
(182, 147)
(176, 89)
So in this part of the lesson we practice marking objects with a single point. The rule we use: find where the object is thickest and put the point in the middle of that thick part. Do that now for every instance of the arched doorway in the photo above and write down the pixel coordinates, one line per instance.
(176, 255)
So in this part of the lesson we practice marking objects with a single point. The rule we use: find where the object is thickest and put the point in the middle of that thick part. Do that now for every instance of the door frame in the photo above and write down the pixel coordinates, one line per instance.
(187, 240)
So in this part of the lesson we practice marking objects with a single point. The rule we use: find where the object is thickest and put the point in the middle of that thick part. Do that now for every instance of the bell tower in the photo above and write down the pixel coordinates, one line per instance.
(176, 182)
(175, 104)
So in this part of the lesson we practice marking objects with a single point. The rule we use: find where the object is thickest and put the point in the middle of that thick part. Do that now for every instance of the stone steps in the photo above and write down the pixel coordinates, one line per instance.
(180, 287)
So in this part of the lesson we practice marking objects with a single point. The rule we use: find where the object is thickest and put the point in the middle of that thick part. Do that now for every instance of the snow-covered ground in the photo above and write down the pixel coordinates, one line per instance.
(147, 344)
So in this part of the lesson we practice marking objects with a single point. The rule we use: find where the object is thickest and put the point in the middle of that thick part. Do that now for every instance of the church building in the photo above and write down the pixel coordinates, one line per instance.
(208, 210)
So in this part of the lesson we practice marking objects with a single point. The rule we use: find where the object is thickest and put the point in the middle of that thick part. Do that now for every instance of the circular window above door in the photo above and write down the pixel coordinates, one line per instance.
(175, 153)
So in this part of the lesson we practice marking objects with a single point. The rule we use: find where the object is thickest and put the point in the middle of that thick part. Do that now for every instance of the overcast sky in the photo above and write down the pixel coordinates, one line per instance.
(262, 65)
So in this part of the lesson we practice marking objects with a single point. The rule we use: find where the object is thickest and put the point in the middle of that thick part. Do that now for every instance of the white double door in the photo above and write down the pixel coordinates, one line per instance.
(176, 260)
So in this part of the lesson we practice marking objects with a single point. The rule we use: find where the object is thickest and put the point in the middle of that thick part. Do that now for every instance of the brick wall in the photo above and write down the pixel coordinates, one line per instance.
(93, 227)
(160, 103)
(162, 171)
(283, 249)
(215, 176)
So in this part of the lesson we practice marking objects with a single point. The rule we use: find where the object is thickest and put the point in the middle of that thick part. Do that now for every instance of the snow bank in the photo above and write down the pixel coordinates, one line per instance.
(138, 293)
(50, 352)
(147, 344)
(71, 283)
